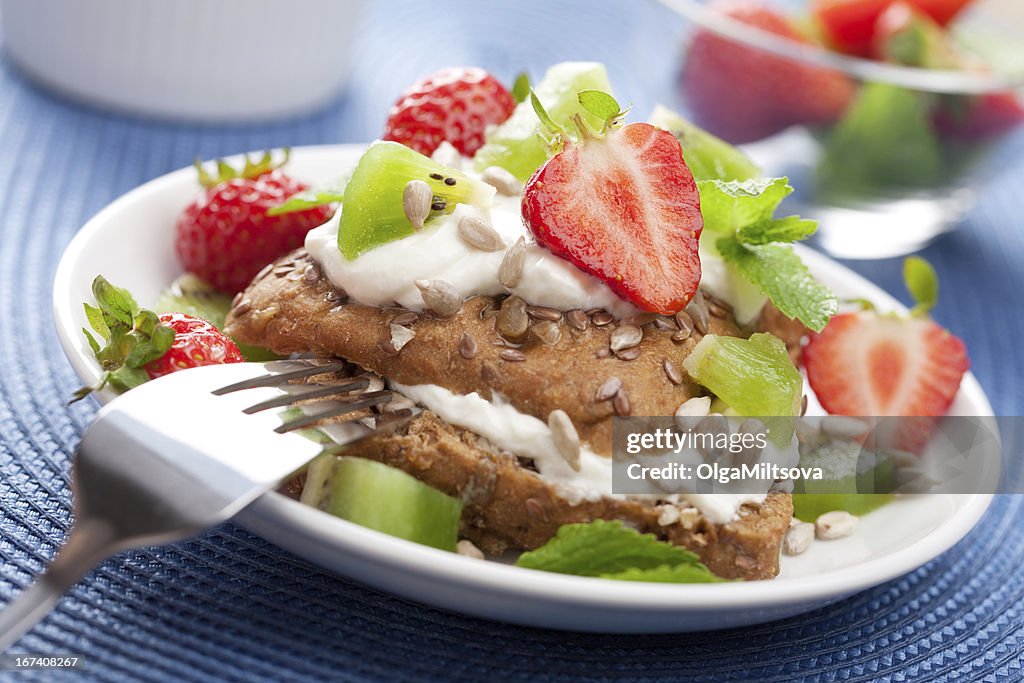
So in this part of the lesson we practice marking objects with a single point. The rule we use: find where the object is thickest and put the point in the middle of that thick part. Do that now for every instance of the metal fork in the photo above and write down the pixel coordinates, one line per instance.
(189, 450)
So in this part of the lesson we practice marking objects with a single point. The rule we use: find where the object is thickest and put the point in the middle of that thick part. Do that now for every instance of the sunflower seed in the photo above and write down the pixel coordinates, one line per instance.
(405, 318)
(281, 271)
(265, 271)
(544, 313)
(547, 331)
(311, 274)
(717, 308)
(468, 549)
(672, 371)
(607, 391)
(510, 272)
(798, 539)
(416, 200)
(621, 403)
(628, 354)
(260, 318)
(242, 307)
(668, 515)
(400, 336)
(501, 180)
(566, 439)
(387, 348)
(476, 233)
(641, 319)
(440, 297)
(835, 524)
(602, 318)
(698, 311)
(536, 509)
(690, 412)
(626, 337)
(398, 403)
(513, 355)
(685, 324)
(577, 319)
(664, 324)
(467, 347)
(512, 321)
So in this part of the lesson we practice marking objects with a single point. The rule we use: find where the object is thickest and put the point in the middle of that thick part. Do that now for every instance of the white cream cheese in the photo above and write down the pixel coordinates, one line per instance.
(386, 275)
(529, 437)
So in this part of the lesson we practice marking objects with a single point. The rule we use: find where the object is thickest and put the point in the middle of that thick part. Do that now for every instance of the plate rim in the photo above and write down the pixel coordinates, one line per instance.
(442, 566)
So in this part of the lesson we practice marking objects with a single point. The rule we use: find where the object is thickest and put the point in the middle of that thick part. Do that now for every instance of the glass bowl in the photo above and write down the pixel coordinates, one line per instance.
(887, 157)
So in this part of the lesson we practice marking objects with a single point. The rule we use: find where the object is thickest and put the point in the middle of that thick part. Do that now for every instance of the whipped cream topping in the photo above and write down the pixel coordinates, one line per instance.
(527, 436)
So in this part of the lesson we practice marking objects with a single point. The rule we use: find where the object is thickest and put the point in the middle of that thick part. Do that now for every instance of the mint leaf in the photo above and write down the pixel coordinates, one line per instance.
(521, 87)
(605, 548)
(600, 104)
(728, 205)
(922, 283)
(114, 302)
(307, 200)
(780, 274)
(680, 573)
(788, 229)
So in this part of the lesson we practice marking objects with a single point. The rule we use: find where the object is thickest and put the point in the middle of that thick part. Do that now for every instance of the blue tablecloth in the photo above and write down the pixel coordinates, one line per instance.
(231, 606)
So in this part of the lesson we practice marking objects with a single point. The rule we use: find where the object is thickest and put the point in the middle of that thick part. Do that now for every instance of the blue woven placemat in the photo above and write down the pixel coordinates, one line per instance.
(230, 606)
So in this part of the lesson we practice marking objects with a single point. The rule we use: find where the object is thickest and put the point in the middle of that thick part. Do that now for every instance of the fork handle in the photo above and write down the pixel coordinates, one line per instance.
(88, 544)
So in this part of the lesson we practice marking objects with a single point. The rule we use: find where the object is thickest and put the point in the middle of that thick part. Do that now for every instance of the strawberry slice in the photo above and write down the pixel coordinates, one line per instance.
(868, 364)
(623, 207)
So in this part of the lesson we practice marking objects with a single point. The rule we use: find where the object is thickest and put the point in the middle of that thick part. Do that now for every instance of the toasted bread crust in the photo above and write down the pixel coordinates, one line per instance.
(292, 308)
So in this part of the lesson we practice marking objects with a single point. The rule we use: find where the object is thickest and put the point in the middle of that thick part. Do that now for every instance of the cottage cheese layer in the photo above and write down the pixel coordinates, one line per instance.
(526, 436)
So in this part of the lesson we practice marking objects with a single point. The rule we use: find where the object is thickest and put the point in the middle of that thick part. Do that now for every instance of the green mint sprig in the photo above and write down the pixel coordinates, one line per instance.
(132, 337)
(607, 549)
(739, 217)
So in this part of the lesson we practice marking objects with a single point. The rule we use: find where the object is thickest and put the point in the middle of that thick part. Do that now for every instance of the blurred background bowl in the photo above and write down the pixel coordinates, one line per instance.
(196, 60)
(887, 157)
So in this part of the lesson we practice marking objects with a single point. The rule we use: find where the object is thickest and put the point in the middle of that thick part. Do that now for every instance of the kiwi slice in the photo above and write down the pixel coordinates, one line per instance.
(516, 144)
(709, 157)
(372, 211)
(191, 295)
(380, 497)
(858, 480)
(755, 377)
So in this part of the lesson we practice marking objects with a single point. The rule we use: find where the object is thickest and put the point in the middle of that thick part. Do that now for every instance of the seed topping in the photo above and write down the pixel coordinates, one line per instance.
(566, 439)
(510, 272)
(416, 202)
(476, 233)
(440, 296)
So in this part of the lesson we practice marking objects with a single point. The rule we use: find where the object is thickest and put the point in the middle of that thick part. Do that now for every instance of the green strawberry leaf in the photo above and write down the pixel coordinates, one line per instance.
(788, 229)
(607, 549)
(780, 274)
(547, 125)
(253, 168)
(601, 104)
(133, 337)
(922, 283)
(521, 87)
(307, 200)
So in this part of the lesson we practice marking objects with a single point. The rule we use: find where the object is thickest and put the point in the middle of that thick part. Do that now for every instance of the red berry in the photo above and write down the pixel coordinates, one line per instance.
(226, 237)
(866, 364)
(196, 343)
(624, 208)
(849, 25)
(454, 105)
(744, 94)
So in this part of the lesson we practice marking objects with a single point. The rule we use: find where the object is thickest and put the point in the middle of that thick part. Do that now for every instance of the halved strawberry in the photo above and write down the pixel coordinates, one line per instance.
(849, 25)
(867, 364)
(623, 207)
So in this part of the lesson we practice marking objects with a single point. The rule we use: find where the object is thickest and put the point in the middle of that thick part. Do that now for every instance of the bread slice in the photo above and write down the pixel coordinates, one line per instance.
(290, 308)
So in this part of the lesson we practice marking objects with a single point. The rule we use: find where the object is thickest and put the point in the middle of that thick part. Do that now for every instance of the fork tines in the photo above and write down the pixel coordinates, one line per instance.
(337, 408)
(293, 369)
(309, 391)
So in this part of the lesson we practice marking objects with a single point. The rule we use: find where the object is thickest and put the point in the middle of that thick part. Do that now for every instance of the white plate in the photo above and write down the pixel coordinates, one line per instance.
(130, 242)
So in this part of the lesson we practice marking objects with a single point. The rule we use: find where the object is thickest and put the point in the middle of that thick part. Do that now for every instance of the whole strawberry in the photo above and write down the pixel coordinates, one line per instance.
(744, 94)
(454, 105)
(196, 343)
(226, 236)
(133, 345)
